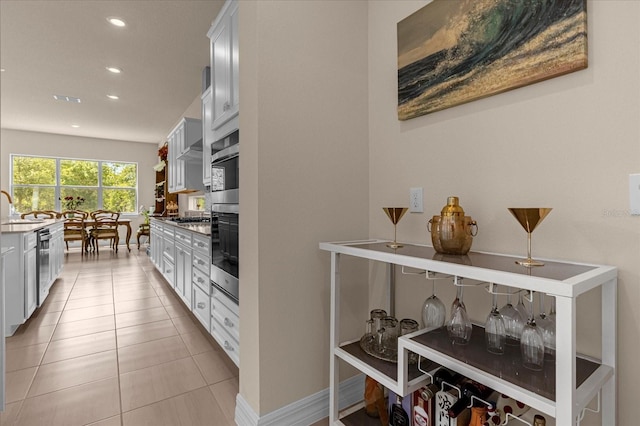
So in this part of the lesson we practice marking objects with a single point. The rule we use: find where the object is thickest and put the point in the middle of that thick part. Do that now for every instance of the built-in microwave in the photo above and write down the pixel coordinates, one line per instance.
(224, 170)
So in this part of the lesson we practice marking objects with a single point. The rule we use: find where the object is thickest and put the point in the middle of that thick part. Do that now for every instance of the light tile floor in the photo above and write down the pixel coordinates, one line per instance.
(112, 345)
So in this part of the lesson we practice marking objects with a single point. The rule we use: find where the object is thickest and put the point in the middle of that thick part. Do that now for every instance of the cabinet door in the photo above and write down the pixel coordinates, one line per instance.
(171, 163)
(207, 136)
(201, 306)
(221, 65)
(188, 270)
(30, 271)
(179, 284)
(235, 92)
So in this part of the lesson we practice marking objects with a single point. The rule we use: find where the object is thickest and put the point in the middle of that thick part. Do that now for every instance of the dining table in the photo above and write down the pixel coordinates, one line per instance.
(89, 223)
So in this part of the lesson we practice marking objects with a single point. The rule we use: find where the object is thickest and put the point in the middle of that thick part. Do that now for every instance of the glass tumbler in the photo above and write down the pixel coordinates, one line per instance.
(389, 336)
(407, 326)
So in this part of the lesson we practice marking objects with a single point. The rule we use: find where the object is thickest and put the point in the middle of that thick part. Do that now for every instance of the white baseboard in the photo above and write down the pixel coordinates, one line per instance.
(305, 411)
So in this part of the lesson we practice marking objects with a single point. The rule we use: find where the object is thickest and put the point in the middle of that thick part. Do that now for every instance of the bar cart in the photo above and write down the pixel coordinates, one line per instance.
(562, 390)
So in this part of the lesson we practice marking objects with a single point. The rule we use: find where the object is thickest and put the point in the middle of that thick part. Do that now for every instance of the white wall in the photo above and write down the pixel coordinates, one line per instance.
(48, 144)
(568, 143)
(304, 178)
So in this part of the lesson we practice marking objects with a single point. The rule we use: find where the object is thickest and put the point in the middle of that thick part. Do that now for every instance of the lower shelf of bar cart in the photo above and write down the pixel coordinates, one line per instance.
(505, 373)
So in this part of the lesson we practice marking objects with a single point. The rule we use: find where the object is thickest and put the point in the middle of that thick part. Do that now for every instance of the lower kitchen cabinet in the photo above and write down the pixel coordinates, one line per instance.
(200, 306)
(225, 324)
(562, 390)
(184, 267)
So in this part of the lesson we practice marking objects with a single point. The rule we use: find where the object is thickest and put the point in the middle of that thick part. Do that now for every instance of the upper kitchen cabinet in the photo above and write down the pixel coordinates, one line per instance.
(224, 64)
(185, 156)
(207, 135)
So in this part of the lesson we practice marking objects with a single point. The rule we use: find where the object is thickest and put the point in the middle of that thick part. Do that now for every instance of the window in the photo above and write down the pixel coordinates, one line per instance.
(38, 183)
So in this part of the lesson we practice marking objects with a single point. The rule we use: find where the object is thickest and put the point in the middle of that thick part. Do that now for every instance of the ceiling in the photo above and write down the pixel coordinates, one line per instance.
(60, 47)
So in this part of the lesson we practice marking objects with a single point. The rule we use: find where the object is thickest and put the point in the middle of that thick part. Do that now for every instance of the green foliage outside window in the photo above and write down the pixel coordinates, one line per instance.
(39, 184)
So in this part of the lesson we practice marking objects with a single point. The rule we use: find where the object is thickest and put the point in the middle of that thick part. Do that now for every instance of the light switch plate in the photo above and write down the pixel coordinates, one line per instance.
(634, 194)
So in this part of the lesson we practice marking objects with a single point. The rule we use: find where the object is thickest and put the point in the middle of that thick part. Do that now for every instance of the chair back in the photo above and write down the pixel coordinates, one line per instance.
(73, 214)
(39, 214)
(105, 215)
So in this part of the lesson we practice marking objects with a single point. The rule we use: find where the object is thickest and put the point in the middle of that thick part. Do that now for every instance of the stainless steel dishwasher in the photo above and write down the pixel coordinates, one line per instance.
(44, 266)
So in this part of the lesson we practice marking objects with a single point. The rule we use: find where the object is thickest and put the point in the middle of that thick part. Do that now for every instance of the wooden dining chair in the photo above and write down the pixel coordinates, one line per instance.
(105, 227)
(39, 214)
(75, 228)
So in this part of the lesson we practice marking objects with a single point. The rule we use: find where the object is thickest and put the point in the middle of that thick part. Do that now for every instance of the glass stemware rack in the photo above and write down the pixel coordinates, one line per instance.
(562, 390)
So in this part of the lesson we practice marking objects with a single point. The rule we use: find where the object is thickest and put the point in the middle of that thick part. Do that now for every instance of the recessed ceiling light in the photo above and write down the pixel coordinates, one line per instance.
(75, 126)
(114, 70)
(114, 97)
(1, 69)
(116, 21)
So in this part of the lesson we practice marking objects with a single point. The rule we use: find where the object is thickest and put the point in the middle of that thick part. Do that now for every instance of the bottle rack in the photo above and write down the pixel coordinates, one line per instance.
(562, 390)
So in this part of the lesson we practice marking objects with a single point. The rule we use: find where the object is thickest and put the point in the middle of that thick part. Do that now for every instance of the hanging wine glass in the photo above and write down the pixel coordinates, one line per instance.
(494, 330)
(513, 322)
(522, 310)
(459, 326)
(549, 331)
(433, 310)
(532, 343)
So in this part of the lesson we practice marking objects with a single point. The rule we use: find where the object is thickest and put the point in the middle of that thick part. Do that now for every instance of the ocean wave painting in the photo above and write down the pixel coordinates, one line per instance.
(456, 51)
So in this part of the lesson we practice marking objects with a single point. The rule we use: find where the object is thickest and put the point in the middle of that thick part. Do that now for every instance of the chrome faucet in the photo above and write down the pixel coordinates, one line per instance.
(8, 196)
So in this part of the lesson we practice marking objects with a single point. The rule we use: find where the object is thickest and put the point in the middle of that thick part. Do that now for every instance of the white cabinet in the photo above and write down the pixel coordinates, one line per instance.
(30, 277)
(20, 279)
(562, 390)
(185, 168)
(207, 135)
(200, 306)
(168, 255)
(224, 65)
(225, 324)
(156, 229)
(184, 265)
(5, 251)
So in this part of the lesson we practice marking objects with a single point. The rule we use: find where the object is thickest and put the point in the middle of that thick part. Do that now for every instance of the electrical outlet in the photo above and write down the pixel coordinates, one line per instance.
(415, 200)
(634, 194)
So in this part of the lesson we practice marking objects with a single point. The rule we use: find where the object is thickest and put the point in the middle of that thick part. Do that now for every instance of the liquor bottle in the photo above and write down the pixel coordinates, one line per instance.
(538, 420)
(468, 389)
(375, 405)
(398, 416)
(420, 416)
(443, 375)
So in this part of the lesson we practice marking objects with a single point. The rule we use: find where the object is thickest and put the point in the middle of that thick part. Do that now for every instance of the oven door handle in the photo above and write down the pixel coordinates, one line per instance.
(225, 154)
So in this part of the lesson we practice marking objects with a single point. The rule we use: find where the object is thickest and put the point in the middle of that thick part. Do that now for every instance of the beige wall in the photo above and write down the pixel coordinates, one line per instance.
(304, 178)
(48, 144)
(568, 143)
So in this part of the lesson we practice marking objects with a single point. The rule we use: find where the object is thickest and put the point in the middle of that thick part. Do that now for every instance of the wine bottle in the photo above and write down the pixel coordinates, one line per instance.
(398, 416)
(443, 375)
(468, 389)
(538, 420)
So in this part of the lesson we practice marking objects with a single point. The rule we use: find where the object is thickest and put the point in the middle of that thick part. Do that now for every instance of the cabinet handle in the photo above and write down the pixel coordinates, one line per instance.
(226, 106)
(200, 305)
(200, 280)
(228, 322)
(227, 346)
(200, 262)
(169, 271)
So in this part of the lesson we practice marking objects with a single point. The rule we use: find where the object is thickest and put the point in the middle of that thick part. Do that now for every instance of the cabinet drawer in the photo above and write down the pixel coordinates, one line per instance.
(30, 240)
(230, 346)
(168, 232)
(201, 244)
(169, 248)
(200, 306)
(201, 262)
(226, 318)
(168, 270)
(201, 279)
(183, 236)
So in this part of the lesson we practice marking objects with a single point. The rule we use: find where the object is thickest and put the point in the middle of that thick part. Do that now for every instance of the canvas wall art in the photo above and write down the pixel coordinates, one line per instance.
(456, 51)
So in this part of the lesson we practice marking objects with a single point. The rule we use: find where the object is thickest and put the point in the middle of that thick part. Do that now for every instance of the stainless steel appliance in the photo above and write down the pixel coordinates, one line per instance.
(225, 196)
(44, 267)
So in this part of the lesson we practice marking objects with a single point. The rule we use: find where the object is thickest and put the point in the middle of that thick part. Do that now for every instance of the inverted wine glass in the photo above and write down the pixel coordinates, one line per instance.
(547, 324)
(532, 343)
(529, 219)
(434, 313)
(395, 214)
(459, 326)
(513, 322)
(494, 330)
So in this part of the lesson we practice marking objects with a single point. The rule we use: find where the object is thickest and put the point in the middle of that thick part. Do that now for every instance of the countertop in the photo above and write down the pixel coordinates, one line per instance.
(198, 227)
(13, 226)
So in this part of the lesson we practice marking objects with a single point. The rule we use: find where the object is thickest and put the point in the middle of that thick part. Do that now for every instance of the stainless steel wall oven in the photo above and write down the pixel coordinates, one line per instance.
(225, 197)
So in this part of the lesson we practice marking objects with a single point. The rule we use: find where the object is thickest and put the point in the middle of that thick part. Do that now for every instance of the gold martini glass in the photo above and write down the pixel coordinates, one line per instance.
(529, 218)
(395, 214)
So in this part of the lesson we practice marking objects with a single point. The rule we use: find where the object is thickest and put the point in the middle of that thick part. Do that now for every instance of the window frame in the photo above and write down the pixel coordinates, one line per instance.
(58, 187)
